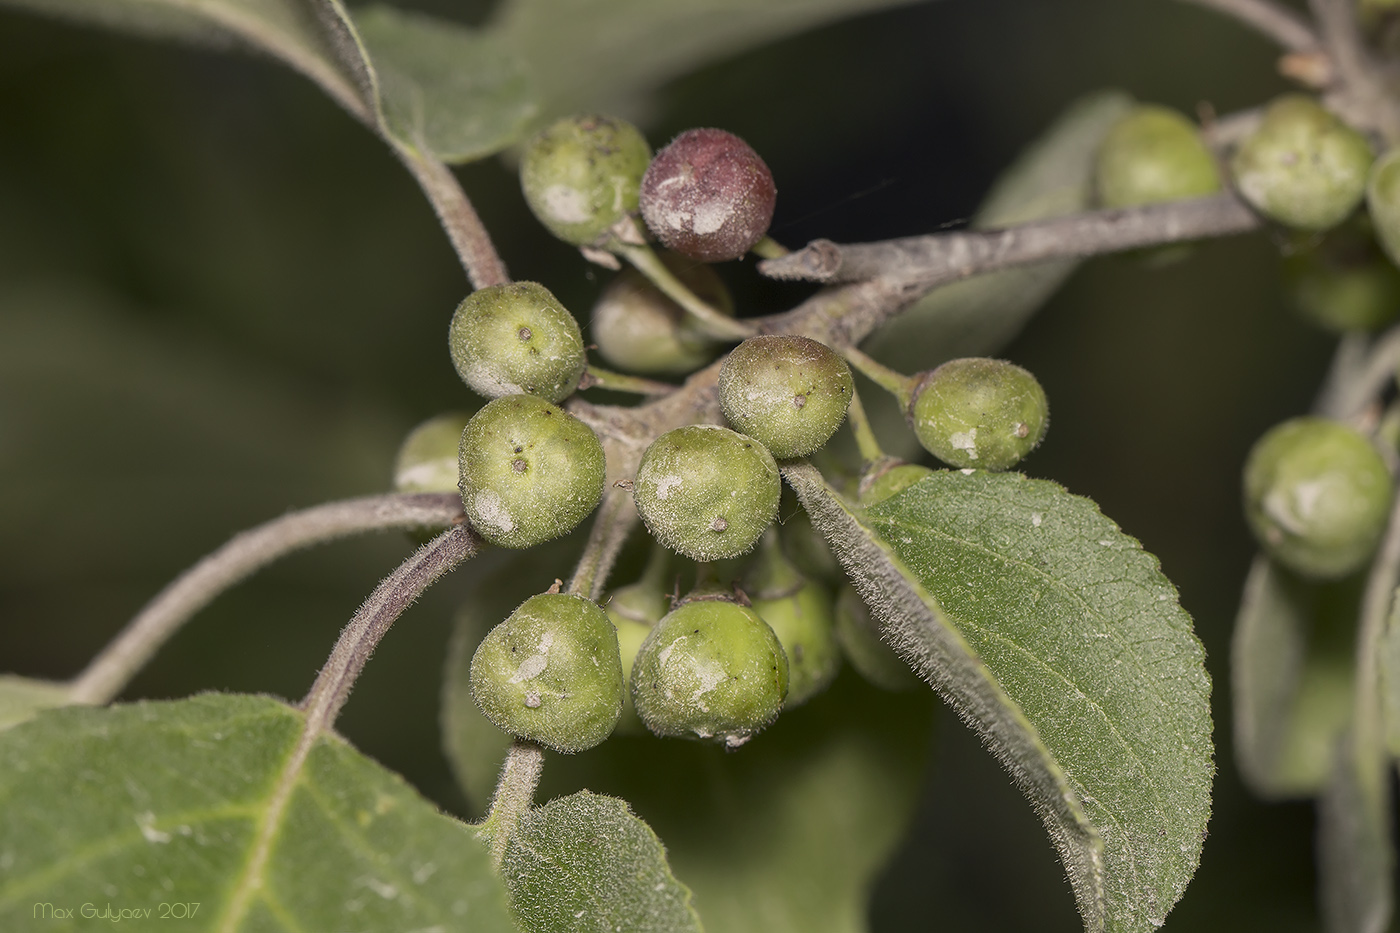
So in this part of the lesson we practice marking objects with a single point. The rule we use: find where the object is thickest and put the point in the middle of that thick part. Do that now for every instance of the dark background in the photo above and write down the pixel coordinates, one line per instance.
(220, 299)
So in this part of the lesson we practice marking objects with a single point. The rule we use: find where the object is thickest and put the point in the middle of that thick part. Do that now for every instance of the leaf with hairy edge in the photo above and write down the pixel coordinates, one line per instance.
(978, 316)
(22, 697)
(1291, 658)
(210, 801)
(586, 862)
(1057, 638)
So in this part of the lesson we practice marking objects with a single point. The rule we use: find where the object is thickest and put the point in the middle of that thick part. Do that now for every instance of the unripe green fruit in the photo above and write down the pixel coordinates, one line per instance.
(634, 610)
(980, 413)
(707, 492)
(638, 329)
(1383, 200)
(551, 673)
(1345, 283)
(888, 477)
(528, 471)
(789, 393)
(582, 175)
(712, 670)
(517, 339)
(799, 612)
(859, 638)
(427, 460)
(1302, 167)
(1316, 495)
(1154, 154)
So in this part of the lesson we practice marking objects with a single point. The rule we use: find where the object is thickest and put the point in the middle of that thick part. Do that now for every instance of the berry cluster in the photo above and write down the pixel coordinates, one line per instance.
(723, 661)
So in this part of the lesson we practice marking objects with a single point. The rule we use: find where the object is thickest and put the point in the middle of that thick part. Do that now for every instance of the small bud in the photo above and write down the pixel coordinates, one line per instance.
(790, 393)
(528, 471)
(517, 339)
(708, 195)
(979, 413)
(1317, 496)
(581, 177)
(1302, 167)
(551, 673)
(1154, 154)
(640, 330)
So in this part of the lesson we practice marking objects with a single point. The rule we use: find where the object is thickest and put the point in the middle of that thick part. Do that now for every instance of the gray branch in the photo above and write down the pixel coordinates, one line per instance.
(1275, 22)
(244, 554)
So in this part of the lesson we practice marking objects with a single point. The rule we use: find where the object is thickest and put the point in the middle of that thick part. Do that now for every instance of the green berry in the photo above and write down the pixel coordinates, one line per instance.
(979, 413)
(859, 637)
(789, 393)
(638, 329)
(711, 669)
(888, 477)
(1302, 167)
(551, 673)
(528, 471)
(799, 612)
(1344, 283)
(517, 339)
(707, 492)
(634, 609)
(581, 176)
(1154, 154)
(427, 460)
(1317, 495)
(1383, 200)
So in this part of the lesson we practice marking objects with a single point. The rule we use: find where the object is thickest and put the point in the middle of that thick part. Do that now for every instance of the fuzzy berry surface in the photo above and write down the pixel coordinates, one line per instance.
(788, 392)
(711, 669)
(551, 673)
(640, 330)
(708, 195)
(427, 458)
(1154, 154)
(707, 492)
(517, 339)
(978, 413)
(528, 471)
(581, 176)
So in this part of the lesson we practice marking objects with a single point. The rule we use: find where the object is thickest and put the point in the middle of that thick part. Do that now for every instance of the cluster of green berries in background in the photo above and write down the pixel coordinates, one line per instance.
(723, 661)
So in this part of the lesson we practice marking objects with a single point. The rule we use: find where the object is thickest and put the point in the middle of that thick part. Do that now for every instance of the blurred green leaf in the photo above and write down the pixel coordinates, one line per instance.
(1356, 855)
(1059, 640)
(978, 316)
(1291, 660)
(585, 863)
(21, 698)
(785, 835)
(154, 803)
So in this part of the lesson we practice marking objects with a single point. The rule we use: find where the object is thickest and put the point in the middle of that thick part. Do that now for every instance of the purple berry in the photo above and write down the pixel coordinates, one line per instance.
(708, 195)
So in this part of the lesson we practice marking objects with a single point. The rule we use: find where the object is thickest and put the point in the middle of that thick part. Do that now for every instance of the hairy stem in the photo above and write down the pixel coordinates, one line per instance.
(244, 554)
(711, 320)
(892, 382)
(866, 441)
(599, 378)
(1359, 375)
(1269, 19)
(458, 218)
(372, 620)
(615, 520)
(769, 248)
(515, 793)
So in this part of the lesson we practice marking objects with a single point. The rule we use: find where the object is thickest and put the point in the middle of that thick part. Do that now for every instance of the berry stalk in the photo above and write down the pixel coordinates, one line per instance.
(712, 321)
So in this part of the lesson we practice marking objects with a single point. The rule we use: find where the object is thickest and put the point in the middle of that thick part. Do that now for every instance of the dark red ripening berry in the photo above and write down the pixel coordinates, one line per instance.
(708, 195)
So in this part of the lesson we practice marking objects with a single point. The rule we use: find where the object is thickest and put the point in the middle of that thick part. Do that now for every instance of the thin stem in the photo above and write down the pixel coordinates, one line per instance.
(515, 793)
(245, 553)
(1354, 67)
(1275, 22)
(896, 384)
(372, 620)
(599, 378)
(713, 321)
(615, 520)
(1359, 375)
(457, 216)
(866, 442)
(769, 248)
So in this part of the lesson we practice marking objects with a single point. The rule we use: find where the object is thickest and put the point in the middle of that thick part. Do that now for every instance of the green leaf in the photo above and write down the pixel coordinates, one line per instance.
(456, 92)
(1388, 665)
(22, 697)
(784, 835)
(978, 316)
(1291, 659)
(1058, 639)
(586, 862)
(201, 801)
(1356, 856)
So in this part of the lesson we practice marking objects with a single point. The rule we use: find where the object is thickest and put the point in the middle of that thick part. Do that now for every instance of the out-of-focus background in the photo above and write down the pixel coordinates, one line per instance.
(221, 298)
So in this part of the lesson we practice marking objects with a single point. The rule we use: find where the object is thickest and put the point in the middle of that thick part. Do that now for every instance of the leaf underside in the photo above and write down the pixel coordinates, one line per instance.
(1058, 639)
(153, 803)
